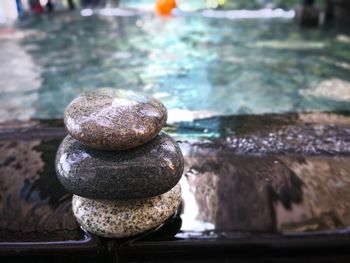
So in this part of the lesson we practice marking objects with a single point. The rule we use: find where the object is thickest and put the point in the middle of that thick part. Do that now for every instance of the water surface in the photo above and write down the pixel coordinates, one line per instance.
(198, 66)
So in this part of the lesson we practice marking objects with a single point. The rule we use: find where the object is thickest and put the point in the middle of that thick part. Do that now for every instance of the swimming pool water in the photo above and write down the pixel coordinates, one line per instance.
(197, 66)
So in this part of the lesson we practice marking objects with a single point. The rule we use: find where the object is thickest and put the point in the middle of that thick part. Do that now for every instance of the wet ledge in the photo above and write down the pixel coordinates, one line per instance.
(296, 133)
(251, 187)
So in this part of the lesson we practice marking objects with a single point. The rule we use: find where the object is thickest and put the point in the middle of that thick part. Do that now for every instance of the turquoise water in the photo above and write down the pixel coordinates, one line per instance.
(197, 66)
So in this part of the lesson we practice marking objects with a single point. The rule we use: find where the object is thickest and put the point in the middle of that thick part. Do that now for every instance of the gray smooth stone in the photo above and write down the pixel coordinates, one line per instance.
(112, 119)
(148, 170)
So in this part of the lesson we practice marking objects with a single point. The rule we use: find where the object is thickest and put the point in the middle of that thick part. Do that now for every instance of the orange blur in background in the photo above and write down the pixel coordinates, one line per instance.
(164, 7)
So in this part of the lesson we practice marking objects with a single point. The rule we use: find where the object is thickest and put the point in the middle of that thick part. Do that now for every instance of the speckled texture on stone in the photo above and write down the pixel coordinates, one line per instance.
(124, 218)
(112, 119)
(148, 170)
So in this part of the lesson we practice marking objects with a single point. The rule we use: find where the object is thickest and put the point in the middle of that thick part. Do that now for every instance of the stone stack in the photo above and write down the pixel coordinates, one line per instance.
(124, 173)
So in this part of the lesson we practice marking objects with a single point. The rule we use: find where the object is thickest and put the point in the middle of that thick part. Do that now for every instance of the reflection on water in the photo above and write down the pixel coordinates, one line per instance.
(228, 192)
(196, 65)
(326, 194)
(33, 205)
(238, 193)
(223, 192)
(191, 219)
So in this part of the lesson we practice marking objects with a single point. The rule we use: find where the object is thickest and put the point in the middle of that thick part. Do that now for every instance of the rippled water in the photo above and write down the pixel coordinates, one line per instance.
(198, 66)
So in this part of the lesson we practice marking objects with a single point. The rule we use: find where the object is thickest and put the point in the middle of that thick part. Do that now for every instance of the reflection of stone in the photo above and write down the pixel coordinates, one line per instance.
(266, 193)
(204, 184)
(326, 192)
(238, 193)
(24, 210)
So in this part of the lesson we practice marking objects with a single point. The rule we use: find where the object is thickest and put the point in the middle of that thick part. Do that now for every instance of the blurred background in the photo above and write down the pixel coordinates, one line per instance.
(202, 58)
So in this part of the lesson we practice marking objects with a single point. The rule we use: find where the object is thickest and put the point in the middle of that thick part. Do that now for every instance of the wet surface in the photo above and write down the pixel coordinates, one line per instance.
(227, 190)
(34, 206)
(286, 194)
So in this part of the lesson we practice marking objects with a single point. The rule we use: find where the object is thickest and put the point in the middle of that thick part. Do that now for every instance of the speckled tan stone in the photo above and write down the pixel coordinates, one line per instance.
(125, 218)
(112, 119)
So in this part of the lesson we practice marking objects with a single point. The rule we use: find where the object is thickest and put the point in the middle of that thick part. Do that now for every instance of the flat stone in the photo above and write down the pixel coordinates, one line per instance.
(124, 218)
(148, 170)
(112, 119)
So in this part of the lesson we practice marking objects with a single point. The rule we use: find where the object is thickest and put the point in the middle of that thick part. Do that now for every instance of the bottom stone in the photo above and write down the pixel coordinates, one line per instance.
(124, 218)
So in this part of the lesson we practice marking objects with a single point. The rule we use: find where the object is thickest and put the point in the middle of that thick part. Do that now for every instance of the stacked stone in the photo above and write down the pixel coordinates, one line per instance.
(124, 173)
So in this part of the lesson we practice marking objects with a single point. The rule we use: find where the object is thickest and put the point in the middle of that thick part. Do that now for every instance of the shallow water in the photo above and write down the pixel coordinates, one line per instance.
(198, 66)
